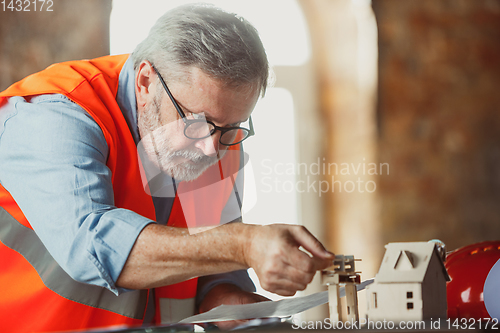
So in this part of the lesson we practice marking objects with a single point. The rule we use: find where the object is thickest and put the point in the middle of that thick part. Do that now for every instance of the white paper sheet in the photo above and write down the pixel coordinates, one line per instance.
(282, 308)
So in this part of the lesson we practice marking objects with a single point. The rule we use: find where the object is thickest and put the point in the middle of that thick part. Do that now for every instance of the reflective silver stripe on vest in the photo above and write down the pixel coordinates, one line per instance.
(174, 310)
(24, 240)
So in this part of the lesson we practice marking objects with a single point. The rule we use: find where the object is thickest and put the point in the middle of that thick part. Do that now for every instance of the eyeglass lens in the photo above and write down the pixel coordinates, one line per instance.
(202, 129)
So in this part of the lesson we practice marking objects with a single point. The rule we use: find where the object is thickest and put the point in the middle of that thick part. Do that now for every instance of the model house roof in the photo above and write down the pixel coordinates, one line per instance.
(409, 262)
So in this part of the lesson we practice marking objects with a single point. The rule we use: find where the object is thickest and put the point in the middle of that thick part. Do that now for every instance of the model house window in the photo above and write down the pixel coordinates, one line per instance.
(374, 300)
(409, 305)
(409, 294)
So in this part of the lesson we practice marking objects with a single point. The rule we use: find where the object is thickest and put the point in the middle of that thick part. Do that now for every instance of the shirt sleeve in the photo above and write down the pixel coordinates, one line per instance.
(53, 162)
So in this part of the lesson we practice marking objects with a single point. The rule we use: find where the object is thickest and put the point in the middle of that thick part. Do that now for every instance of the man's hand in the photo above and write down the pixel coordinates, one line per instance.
(228, 294)
(273, 251)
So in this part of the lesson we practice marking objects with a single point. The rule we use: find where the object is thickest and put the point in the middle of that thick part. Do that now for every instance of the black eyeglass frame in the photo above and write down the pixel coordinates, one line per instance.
(188, 122)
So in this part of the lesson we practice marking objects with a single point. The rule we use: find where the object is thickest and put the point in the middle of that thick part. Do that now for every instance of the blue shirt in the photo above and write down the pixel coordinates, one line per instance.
(53, 162)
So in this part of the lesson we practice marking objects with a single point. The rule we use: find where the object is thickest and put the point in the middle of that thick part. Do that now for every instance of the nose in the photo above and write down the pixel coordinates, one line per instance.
(209, 145)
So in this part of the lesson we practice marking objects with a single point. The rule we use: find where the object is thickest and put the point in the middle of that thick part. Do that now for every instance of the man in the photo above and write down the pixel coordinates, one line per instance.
(86, 239)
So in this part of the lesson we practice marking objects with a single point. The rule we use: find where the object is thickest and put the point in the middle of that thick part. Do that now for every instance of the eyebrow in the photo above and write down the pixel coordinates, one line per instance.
(209, 118)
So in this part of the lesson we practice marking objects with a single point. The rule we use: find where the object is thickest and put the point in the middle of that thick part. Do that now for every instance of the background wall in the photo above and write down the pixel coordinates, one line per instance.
(344, 44)
(32, 40)
(438, 119)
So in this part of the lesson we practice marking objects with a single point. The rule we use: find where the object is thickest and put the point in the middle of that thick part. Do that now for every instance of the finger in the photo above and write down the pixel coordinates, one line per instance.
(300, 260)
(303, 268)
(283, 286)
(320, 264)
(295, 271)
(284, 292)
(305, 239)
(305, 263)
(295, 275)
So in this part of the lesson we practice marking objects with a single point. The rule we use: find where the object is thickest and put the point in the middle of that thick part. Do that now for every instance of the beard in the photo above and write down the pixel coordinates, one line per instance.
(157, 144)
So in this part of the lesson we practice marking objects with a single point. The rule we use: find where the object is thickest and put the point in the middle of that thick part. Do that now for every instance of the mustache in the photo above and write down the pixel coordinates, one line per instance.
(193, 156)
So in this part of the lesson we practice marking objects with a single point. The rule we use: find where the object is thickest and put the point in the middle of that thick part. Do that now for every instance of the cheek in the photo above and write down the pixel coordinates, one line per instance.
(177, 139)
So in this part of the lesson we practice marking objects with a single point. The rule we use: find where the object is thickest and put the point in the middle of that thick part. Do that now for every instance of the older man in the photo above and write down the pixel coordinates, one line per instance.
(86, 239)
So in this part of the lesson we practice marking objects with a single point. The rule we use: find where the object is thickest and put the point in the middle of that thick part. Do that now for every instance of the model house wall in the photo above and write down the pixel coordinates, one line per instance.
(410, 285)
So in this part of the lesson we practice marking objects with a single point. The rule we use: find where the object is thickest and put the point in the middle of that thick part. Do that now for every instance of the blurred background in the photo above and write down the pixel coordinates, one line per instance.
(382, 124)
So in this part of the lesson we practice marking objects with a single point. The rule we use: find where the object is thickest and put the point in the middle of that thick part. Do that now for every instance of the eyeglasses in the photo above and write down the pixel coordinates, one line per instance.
(197, 129)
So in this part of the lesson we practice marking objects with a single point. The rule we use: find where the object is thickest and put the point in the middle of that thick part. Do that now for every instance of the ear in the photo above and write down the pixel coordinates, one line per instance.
(143, 83)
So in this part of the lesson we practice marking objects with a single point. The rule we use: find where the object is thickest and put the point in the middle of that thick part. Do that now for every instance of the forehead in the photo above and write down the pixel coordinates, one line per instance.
(220, 101)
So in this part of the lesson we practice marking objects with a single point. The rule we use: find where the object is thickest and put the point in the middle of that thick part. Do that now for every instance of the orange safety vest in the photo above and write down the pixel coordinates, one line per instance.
(36, 294)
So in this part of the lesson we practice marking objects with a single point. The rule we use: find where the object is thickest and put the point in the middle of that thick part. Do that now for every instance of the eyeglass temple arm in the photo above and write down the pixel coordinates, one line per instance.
(252, 132)
(179, 111)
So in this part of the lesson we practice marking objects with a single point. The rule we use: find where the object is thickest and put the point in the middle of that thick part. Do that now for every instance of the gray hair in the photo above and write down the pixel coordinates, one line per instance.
(223, 45)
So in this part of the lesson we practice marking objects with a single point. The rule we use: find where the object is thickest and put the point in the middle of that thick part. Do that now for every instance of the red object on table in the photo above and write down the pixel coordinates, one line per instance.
(468, 268)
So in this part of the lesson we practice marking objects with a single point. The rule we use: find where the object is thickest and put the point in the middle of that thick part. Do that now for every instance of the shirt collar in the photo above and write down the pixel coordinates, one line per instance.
(125, 97)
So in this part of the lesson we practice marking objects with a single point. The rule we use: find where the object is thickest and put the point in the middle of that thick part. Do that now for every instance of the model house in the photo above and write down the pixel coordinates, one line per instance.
(410, 285)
